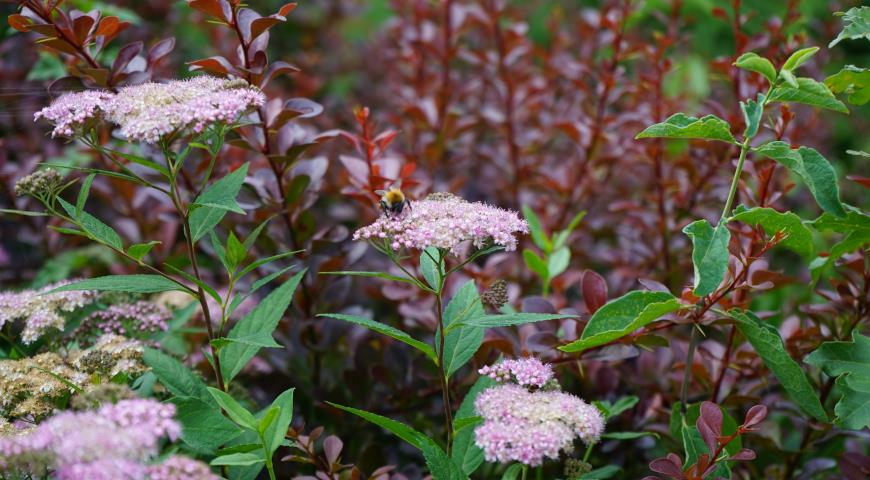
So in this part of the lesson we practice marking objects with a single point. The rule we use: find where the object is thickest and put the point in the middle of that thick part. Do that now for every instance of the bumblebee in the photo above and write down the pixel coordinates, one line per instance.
(393, 201)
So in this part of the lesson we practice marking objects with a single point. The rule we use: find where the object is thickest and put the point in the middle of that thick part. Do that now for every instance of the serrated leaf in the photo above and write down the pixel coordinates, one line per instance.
(465, 452)
(767, 342)
(799, 57)
(755, 63)
(387, 330)
(709, 255)
(850, 363)
(177, 378)
(93, 226)
(123, 283)
(679, 125)
(139, 250)
(511, 319)
(799, 238)
(808, 92)
(203, 427)
(215, 201)
(263, 318)
(853, 81)
(857, 22)
(812, 168)
(621, 316)
(856, 228)
(463, 340)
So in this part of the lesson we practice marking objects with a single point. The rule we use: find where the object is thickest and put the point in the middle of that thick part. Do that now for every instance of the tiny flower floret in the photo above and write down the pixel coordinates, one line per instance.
(40, 310)
(72, 111)
(528, 372)
(446, 222)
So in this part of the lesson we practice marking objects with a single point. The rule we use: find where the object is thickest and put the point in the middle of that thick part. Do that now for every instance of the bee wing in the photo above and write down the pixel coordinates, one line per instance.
(380, 192)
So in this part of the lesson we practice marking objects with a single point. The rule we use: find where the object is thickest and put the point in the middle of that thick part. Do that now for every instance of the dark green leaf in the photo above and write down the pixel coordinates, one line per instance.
(276, 432)
(238, 459)
(215, 201)
(752, 112)
(432, 267)
(850, 363)
(123, 283)
(139, 250)
(798, 238)
(462, 341)
(263, 318)
(513, 472)
(628, 435)
(602, 473)
(766, 341)
(465, 452)
(381, 275)
(621, 316)
(681, 126)
(815, 171)
(853, 81)
(387, 330)
(754, 63)
(236, 412)
(709, 255)
(203, 427)
(510, 319)
(95, 228)
(83, 194)
(236, 252)
(808, 92)
(180, 381)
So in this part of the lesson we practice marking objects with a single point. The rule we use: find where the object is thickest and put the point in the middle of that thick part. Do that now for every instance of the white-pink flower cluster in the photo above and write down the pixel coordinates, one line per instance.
(524, 423)
(528, 372)
(113, 442)
(446, 221)
(40, 310)
(150, 111)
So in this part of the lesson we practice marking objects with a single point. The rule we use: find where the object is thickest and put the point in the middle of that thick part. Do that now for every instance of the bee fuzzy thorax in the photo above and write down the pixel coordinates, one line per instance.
(394, 195)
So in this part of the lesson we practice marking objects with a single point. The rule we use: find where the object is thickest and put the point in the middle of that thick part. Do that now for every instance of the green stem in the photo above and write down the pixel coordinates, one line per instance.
(588, 452)
(729, 202)
(525, 470)
(442, 374)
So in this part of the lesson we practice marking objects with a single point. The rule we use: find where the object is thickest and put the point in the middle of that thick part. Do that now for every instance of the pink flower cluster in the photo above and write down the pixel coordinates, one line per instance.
(150, 111)
(529, 425)
(446, 222)
(528, 372)
(40, 311)
(128, 319)
(111, 442)
(178, 467)
(72, 111)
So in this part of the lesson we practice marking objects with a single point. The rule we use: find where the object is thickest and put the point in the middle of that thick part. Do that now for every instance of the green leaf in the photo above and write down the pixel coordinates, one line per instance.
(123, 283)
(853, 81)
(511, 319)
(799, 238)
(381, 275)
(558, 261)
(799, 57)
(255, 339)
(95, 228)
(432, 267)
(387, 330)
(857, 22)
(263, 318)
(236, 412)
(238, 459)
(709, 255)
(752, 112)
(462, 341)
(628, 435)
(562, 237)
(621, 316)
(267, 419)
(850, 363)
(83, 194)
(276, 432)
(203, 427)
(813, 169)
(807, 92)
(766, 341)
(754, 63)
(513, 472)
(612, 410)
(461, 423)
(856, 228)
(465, 452)
(539, 236)
(215, 201)
(681, 126)
(139, 250)
(536, 264)
(236, 252)
(788, 77)
(177, 378)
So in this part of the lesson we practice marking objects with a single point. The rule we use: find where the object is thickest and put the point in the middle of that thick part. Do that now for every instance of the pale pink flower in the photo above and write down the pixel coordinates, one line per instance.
(72, 111)
(41, 311)
(130, 319)
(446, 221)
(528, 372)
(178, 467)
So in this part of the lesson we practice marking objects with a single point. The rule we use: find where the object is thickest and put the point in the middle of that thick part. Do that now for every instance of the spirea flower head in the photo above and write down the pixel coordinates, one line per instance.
(136, 319)
(41, 311)
(39, 184)
(178, 467)
(83, 444)
(72, 111)
(528, 372)
(110, 355)
(150, 111)
(528, 427)
(30, 387)
(446, 222)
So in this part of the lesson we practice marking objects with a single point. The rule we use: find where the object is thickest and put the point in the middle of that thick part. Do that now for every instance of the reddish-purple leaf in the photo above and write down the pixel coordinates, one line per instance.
(210, 7)
(668, 466)
(743, 455)
(217, 64)
(126, 55)
(754, 416)
(303, 107)
(594, 290)
(332, 446)
(160, 50)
